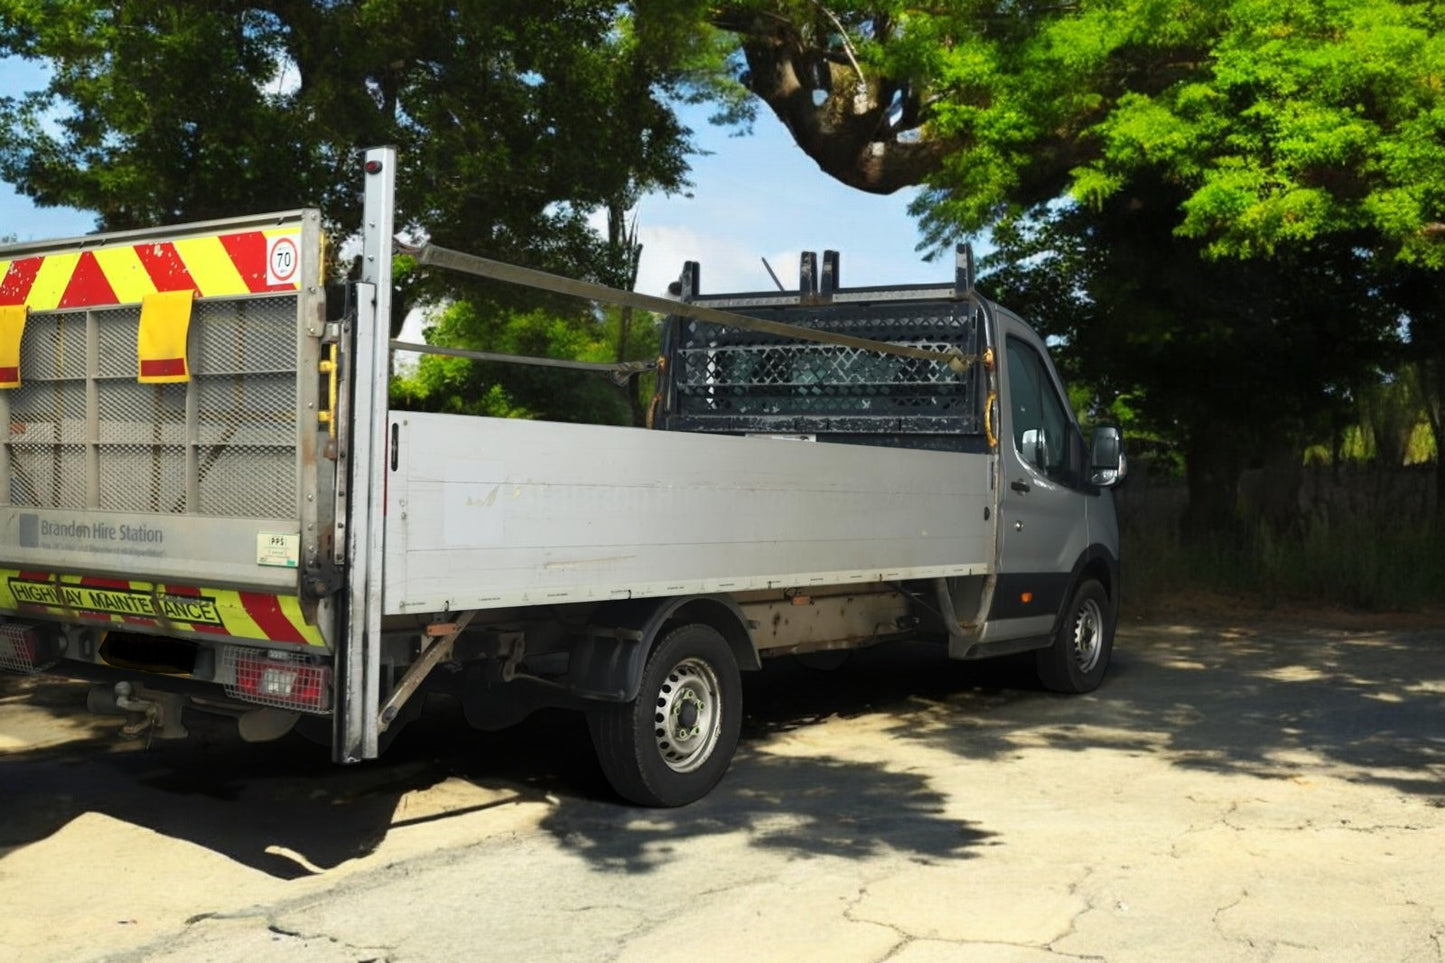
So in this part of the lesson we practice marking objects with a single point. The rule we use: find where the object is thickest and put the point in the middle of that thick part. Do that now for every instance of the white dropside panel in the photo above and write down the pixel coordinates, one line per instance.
(484, 513)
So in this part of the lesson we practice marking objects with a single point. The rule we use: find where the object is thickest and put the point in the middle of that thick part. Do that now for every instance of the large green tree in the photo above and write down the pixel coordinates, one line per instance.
(514, 122)
(1217, 196)
(1278, 120)
(1288, 133)
(1417, 295)
(517, 125)
(1238, 362)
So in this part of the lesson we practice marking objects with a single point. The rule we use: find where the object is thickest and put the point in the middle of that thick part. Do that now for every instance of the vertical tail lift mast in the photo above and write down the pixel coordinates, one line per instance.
(365, 462)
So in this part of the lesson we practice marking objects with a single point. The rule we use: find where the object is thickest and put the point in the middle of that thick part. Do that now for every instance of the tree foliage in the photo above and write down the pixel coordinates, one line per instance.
(1236, 362)
(508, 391)
(1230, 208)
(1414, 294)
(514, 122)
(562, 328)
(1279, 121)
(1224, 201)
(517, 126)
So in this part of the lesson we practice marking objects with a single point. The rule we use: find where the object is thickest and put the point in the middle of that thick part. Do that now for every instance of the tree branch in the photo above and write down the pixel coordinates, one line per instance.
(846, 131)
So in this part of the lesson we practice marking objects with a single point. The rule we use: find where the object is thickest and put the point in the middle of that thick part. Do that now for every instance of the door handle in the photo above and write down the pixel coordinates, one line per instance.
(1020, 486)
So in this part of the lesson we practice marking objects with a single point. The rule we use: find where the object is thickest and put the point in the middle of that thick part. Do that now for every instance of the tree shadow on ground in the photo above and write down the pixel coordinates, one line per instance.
(283, 808)
(254, 804)
(265, 805)
(1266, 701)
(1252, 701)
(801, 806)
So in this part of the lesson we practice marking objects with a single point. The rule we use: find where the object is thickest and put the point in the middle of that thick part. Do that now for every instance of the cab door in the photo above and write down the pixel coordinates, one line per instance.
(1043, 465)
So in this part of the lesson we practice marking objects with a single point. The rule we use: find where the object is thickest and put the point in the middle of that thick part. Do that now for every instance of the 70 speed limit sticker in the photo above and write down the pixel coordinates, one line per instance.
(283, 260)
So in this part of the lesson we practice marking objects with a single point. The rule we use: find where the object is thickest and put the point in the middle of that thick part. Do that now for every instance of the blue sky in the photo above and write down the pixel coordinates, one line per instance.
(760, 196)
(754, 196)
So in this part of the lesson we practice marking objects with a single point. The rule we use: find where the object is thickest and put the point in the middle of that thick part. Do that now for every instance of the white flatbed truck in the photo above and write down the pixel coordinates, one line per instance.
(211, 507)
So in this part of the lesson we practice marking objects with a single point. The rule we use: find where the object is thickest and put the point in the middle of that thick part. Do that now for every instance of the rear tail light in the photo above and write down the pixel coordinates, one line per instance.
(277, 679)
(25, 648)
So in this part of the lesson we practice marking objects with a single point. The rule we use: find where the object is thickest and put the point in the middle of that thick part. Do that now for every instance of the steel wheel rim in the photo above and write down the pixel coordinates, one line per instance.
(687, 720)
(1087, 639)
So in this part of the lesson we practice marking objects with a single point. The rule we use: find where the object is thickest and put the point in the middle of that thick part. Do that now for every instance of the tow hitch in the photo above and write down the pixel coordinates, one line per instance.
(155, 713)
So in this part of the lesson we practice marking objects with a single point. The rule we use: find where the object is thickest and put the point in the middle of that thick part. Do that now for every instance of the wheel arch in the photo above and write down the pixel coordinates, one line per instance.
(723, 614)
(1096, 563)
(608, 663)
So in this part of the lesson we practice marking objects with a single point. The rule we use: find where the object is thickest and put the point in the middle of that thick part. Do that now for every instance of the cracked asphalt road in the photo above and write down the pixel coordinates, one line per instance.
(1261, 789)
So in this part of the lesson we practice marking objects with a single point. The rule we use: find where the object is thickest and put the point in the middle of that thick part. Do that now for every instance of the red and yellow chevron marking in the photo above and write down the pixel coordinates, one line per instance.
(243, 615)
(219, 265)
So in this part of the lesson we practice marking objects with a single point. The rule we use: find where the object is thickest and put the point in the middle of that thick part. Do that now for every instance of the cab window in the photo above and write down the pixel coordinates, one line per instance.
(1042, 432)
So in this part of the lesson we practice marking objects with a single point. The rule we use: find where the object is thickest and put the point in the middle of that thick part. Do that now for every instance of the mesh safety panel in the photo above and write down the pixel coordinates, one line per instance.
(222, 444)
(279, 680)
(728, 379)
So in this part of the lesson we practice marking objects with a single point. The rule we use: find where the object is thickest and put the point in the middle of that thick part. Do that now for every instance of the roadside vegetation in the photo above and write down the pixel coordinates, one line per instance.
(1353, 521)
(1229, 215)
(1378, 560)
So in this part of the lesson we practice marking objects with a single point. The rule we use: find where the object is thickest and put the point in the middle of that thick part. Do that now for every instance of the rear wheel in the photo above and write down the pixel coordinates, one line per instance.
(1079, 656)
(672, 744)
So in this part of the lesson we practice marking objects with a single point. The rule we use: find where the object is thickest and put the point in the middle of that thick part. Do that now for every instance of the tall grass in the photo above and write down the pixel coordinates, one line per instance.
(1379, 562)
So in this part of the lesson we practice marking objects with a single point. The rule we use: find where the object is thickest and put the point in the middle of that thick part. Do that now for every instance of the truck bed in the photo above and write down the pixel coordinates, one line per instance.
(488, 513)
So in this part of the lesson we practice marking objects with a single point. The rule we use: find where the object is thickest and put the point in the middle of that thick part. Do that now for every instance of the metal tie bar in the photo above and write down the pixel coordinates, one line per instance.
(620, 371)
(432, 255)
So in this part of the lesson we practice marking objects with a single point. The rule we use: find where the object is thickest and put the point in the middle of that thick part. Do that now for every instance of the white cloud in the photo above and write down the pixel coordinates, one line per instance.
(728, 263)
(735, 263)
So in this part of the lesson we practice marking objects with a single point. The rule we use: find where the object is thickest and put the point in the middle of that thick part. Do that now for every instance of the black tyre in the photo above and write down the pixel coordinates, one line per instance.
(1079, 657)
(673, 744)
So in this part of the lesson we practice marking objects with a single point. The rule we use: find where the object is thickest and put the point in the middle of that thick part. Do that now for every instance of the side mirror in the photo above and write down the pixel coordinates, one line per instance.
(1035, 448)
(1107, 466)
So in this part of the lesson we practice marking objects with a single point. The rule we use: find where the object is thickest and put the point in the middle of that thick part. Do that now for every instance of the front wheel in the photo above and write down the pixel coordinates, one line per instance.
(672, 744)
(1079, 657)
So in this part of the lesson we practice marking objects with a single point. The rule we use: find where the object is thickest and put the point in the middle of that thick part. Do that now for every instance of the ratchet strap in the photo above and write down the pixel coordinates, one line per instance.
(431, 255)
